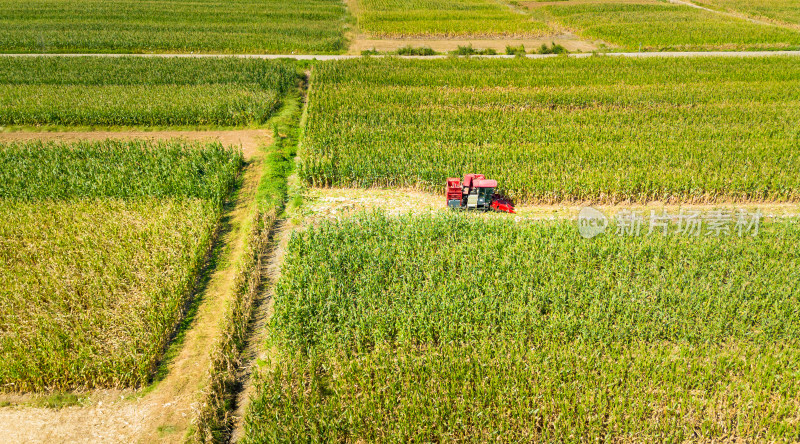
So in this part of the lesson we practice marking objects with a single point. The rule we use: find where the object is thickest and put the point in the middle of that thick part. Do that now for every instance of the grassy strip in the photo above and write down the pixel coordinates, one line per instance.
(212, 413)
(140, 91)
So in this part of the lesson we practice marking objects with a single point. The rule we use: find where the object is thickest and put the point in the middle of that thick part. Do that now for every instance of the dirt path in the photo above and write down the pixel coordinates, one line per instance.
(324, 57)
(571, 42)
(161, 413)
(338, 203)
(248, 139)
(255, 348)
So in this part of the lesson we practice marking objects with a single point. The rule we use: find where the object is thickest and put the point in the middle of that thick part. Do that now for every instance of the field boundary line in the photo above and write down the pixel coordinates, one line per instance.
(325, 57)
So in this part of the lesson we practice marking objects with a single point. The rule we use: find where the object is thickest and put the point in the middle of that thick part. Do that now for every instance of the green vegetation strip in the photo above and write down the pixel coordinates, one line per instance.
(458, 328)
(140, 91)
(443, 18)
(102, 246)
(213, 422)
(133, 26)
(602, 129)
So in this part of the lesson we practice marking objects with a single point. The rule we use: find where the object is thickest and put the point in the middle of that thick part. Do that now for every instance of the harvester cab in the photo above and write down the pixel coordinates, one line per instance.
(475, 192)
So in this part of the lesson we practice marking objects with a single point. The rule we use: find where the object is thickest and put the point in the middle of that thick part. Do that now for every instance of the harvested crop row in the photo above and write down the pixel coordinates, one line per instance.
(466, 328)
(601, 129)
(137, 91)
(103, 244)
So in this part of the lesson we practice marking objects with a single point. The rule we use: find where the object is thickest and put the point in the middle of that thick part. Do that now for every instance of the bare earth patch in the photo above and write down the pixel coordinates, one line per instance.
(338, 203)
(571, 42)
(161, 413)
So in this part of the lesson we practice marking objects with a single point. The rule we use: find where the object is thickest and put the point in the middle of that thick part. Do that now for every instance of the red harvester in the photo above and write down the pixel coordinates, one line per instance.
(475, 193)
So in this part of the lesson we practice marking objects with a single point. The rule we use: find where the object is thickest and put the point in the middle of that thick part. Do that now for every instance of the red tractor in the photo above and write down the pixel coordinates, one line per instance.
(476, 193)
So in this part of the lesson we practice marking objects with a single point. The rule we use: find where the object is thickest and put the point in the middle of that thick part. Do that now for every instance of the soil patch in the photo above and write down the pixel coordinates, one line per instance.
(569, 41)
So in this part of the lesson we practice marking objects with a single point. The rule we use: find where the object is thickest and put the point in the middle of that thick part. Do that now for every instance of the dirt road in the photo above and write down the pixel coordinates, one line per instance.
(324, 57)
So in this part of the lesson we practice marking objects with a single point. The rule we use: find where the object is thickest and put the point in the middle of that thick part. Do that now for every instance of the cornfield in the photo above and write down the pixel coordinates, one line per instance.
(130, 26)
(457, 328)
(448, 18)
(781, 11)
(659, 26)
(102, 245)
(133, 92)
(118, 169)
(599, 129)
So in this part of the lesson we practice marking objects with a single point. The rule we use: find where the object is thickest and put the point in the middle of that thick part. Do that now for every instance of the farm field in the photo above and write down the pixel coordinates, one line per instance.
(653, 25)
(781, 11)
(173, 26)
(103, 92)
(447, 18)
(540, 335)
(103, 244)
(233, 247)
(601, 129)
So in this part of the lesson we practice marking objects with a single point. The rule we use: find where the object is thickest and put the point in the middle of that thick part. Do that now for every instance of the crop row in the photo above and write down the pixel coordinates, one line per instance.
(129, 26)
(600, 129)
(118, 169)
(441, 328)
(131, 91)
(782, 11)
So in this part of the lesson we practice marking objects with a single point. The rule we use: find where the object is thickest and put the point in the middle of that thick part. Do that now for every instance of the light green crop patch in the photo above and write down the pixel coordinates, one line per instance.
(659, 25)
(443, 18)
(782, 11)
